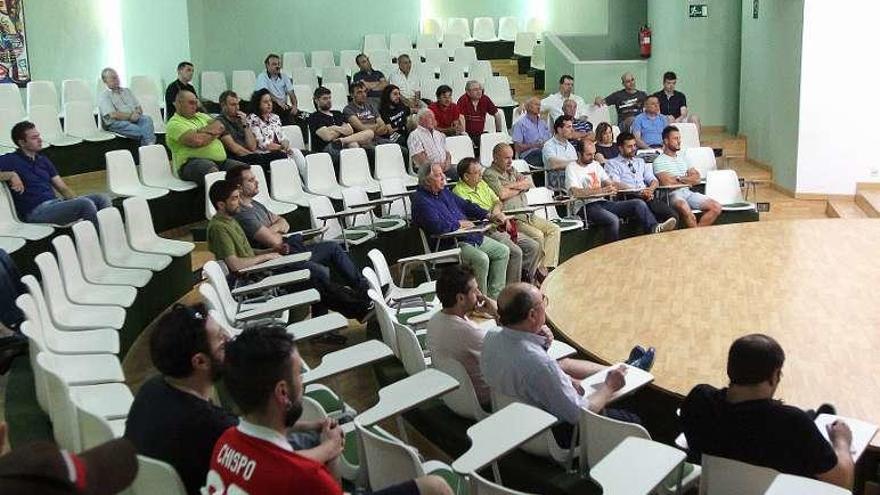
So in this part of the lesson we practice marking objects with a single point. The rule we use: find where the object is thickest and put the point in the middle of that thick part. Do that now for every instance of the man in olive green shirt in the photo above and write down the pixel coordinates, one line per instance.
(524, 251)
(511, 188)
(193, 138)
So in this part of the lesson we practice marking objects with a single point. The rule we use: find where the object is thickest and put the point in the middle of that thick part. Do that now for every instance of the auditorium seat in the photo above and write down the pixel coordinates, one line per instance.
(465, 55)
(334, 74)
(10, 100)
(543, 195)
(399, 43)
(210, 179)
(79, 122)
(459, 147)
(374, 42)
(214, 83)
(98, 271)
(81, 293)
(508, 28)
(538, 57)
(287, 184)
(304, 89)
(536, 25)
(42, 93)
(146, 87)
(394, 188)
(433, 27)
(389, 164)
(142, 236)
(155, 476)
(95, 429)
(305, 75)
(122, 176)
(459, 25)
(488, 140)
(80, 290)
(151, 109)
(11, 244)
(429, 84)
(292, 60)
(320, 177)
(294, 136)
(12, 226)
(320, 206)
(45, 118)
(525, 43)
(480, 70)
(702, 159)
(347, 60)
(279, 208)
(76, 90)
(498, 90)
(379, 57)
(354, 170)
(452, 42)
(321, 59)
(484, 29)
(155, 169)
(690, 135)
(723, 186)
(118, 251)
(597, 114)
(338, 95)
(426, 42)
(371, 220)
(435, 58)
(243, 83)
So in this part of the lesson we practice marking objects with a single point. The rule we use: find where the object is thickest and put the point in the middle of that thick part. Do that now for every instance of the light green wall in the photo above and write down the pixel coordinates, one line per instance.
(770, 85)
(578, 16)
(604, 31)
(235, 35)
(477, 8)
(151, 52)
(705, 54)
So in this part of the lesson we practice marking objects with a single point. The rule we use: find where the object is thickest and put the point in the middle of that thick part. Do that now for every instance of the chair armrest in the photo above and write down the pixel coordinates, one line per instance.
(313, 327)
(271, 282)
(277, 263)
(439, 255)
(347, 359)
(281, 303)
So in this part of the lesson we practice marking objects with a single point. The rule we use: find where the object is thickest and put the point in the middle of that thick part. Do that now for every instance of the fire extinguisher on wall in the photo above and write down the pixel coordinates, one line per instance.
(645, 41)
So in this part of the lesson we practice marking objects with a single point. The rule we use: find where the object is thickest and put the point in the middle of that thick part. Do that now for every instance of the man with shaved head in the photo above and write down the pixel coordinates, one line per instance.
(530, 133)
(628, 101)
(648, 126)
(427, 145)
(515, 363)
(474, 105)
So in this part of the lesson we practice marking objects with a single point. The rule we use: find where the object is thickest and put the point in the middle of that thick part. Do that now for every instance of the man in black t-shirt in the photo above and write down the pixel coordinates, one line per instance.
(183, 81)
(330, 132)
(628, 101)
(673, 103)
(744, 423)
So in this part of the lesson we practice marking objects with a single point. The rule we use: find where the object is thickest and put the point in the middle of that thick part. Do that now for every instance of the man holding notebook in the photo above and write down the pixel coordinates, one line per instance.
(744, 422)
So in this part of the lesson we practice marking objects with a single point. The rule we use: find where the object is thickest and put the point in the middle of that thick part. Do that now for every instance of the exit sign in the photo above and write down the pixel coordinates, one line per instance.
(698, 10)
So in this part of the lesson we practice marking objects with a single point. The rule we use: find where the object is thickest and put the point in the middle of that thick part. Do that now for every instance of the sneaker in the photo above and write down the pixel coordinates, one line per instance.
(665, 226)
(646, 362)
(634, 355)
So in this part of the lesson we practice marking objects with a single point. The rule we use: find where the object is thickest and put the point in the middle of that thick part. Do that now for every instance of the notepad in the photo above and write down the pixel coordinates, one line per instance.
(862, 432)
(636, 378)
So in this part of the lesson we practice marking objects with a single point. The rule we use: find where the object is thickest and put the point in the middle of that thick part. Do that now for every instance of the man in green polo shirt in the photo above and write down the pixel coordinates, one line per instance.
(525, 253)
(194, 140)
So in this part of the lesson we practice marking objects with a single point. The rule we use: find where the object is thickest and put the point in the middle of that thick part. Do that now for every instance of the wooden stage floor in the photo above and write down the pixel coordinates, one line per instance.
(811, 284)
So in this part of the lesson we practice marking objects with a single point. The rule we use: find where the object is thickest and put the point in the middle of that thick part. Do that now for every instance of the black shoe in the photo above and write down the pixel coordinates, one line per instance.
(332, 338)
(646, 362)
(16, 341)
(826, 409)
(634, 354)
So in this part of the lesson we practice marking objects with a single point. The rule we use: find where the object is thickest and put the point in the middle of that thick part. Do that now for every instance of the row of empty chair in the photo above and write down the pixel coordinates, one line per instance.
(483, 28)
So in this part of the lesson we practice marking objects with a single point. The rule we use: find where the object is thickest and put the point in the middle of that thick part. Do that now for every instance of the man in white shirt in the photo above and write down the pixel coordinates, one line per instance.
(553, 103)
(427, 145)
(586, 179)
(407, 80)
(558, 152)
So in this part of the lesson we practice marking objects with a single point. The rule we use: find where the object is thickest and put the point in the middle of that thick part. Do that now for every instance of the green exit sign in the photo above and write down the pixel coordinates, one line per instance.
(698, 10)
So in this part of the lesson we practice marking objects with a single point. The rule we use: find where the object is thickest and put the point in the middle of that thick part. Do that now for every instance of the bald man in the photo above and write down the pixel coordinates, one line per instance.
(515, 363)
(427, 145)
(530, 133)
(648, 126)
(628, 101)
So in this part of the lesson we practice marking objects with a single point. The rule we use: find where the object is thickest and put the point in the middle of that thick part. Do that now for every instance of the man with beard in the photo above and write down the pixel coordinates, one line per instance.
(173, 418)
(329, 128)
(671, 169)
(264, 379)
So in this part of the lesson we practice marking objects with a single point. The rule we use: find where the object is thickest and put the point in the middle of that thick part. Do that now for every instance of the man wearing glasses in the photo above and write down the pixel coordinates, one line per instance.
(635, 178)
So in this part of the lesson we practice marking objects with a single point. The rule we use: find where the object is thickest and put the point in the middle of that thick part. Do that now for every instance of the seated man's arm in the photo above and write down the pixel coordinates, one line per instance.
(427, 217)
(233, 147)
(614, 381)
(842, 473)
(267, 236)
(196, 138)
(556, 394)
(328, 133)
(637, 133)
(222, 246)
(293, 100)
(236, 264)
(507, 191)
(15, 182)
(693, 176)
(666, 179)
(62, 187)
(557, 163)
(359, 126)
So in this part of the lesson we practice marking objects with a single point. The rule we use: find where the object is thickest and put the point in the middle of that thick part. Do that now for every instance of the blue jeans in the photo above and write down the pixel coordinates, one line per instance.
(327, 255)
(609, 213)
(141, 130)
(64, 211)
(10, 288)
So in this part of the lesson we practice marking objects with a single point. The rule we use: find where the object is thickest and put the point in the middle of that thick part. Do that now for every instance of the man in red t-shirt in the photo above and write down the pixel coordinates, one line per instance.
(474, 106)
(449, 119)
(263, 377)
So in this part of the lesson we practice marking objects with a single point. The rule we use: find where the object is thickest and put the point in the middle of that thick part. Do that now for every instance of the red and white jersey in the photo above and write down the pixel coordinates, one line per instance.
(254, 460)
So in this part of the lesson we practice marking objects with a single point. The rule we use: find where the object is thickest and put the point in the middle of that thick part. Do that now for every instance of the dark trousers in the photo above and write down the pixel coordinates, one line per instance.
(608, 214)
(10, 288)
(297, 119)
(263, 159)
(350, 301)
(563, 431)
(660, 209)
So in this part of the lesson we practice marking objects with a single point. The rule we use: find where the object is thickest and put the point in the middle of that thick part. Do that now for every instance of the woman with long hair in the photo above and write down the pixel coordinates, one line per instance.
(266, 125)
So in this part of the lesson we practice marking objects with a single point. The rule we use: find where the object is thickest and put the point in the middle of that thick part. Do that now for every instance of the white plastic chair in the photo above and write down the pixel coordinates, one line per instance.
(338, 95)
(389, 164)
(480, 70)
(306, 76)
(508, 28)
(498, 90)
(76, 90)
(538, 54)
(142, 236)
(401, 207)
(154, 476)
(292, 60)
(429, 84)
(452, 42)
(59, 342)
(432, 26)
(10, 99)
(94, 429)
(287, 184)
(459, 147)
(334, 75)
(427, 41)
(243, 83)
(304, 89)
(357, 195)
(524, 44)
(277, 207)
(435, 58)
(8, 118)
(321, 206)
(347, 60)
(155, 169)
(463, 400)
(11, 226)
(210, 179)
(488, 140)
(723, 186)
(145, 86)
(374, 42)
(690, 135)
(320, 176)
(42, 93)
(465, 55)
(380, 59)
(11, 244)
(80, 290)
(484, 29)
(541, 195)
(723, 476)
(598, 114)
(322, 59)
(354, 170)
(458, 25)
(535, 25)
(399, 43)
(394, 294)
(95, 269)
(151, 107)
(46, 120)
(702, 159)
(116, 248)
(214, 83)
(122, 177)
(294, 136)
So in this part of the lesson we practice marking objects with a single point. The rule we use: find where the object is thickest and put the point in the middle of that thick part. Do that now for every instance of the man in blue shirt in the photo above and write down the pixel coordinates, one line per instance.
(648, 126)
(630, 173)
(530, 133)
(34, 181)
(281, 87)
(437, 211)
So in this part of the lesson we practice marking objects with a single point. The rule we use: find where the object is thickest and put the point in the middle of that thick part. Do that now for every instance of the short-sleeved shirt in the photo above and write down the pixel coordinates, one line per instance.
(609, 152)
(763, 432)
(453, 337)
(516, 365)
(553, 105)
(234, 128)
(627, 104)
(639, 176)
(252, 218)
(440, 213)
(674, 165)
(528, 130)
(37, 177)
(320, 119)
(433, 143)
(482, 195)
(475, 117)
(121, 100)
(408, 84)
(279, 85)
(260, 461)
(497, 180)
(555, 148)
(226, 238)
(180, 153)
(650, 129)
(176, 427)
(671, 105)
(590, 176)
(171, 94)
(396, 116)
(445, 116)
(366, 113)
(266, 131)
(371, 76)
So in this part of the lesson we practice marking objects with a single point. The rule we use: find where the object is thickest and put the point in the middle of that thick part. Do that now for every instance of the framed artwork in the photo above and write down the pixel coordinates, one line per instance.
(14, 67)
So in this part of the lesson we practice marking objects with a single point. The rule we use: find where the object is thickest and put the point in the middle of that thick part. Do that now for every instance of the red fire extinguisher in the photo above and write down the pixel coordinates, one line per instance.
(645, 41)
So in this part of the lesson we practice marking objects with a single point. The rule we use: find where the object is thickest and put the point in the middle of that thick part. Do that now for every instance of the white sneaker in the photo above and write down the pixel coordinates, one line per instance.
(665, 226)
